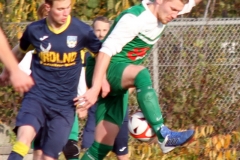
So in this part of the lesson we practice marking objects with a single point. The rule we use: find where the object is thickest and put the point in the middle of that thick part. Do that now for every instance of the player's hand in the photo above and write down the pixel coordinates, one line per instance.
(105, 88)
(82, 113)
(87, 100)
(4, 77)
(21, 81)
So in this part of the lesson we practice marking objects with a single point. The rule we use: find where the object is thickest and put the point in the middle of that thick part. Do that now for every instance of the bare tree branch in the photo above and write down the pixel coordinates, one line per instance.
(206, 9)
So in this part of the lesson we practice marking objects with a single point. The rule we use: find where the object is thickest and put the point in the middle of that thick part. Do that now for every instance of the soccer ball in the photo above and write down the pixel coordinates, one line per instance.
(139, 127)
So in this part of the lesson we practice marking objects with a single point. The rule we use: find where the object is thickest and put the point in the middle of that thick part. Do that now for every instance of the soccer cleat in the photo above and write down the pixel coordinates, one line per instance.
(174, 139)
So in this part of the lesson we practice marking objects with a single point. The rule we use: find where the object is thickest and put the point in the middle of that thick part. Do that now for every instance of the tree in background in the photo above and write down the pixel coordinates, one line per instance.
(216, 9)
(26, 10)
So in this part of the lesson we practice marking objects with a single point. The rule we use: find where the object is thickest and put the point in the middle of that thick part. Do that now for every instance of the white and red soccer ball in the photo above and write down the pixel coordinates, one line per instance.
(139, 127)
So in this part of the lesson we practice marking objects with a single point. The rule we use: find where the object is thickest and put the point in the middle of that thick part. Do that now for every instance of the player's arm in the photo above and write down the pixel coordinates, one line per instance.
(102, 62)
(20, 81)
(24, 65)
(22, 48)
(8, 59)
(93, 45)
(6, 56)
(188, 7)
(19, 55)
(126, 29)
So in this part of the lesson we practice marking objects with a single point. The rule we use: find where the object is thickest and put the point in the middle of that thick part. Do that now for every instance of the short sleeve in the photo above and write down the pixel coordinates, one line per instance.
(25, 41)
(93, 43)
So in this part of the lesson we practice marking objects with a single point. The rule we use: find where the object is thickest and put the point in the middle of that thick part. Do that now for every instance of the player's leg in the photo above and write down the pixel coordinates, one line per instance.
(89, 128)
(37, 154)
(120, 147)
(109, 117)
(139, 77)
(110, 112)
(28, 122)
(71, 150)
(36, 145)
(59, 125)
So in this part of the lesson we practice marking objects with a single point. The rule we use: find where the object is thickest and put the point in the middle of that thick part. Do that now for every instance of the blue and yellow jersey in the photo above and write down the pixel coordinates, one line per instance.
(56, 62)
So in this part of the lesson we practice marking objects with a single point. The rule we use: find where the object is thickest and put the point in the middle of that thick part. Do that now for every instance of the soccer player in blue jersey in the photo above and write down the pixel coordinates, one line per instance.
(129, 41)
(100, 26)
(71, 150)
(56, 66)
(20, 81)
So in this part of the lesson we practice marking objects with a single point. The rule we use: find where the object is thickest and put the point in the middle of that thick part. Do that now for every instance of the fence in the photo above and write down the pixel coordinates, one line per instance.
(195, 62)
(186, 48)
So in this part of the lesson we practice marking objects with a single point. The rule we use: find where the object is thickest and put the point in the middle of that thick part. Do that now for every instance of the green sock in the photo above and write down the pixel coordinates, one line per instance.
(75, 129)
(97, 151)
(148, 102)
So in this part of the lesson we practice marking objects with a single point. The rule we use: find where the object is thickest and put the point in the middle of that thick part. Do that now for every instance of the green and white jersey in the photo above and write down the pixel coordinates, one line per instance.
(133, 34)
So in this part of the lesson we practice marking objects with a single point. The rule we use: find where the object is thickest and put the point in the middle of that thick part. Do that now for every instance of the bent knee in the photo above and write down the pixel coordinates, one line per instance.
(26, 134)
(129, 75)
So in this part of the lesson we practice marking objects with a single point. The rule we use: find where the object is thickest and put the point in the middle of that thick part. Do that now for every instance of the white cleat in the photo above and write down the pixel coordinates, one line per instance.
(165, 149)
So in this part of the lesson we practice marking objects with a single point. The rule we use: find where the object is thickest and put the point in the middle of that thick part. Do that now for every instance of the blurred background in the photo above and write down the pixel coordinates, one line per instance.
(195, 69)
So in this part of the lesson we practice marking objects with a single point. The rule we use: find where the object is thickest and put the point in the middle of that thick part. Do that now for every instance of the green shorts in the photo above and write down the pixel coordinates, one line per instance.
(112, 108)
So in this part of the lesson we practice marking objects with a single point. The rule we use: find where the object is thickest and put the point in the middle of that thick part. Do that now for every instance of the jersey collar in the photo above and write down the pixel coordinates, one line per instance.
(63, 28)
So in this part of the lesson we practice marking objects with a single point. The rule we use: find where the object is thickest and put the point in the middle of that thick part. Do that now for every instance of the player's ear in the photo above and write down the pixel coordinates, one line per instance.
(47, 7)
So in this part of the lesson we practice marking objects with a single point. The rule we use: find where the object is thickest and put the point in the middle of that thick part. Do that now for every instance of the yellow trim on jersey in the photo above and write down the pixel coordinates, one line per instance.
(92, 54)
(63, 28)
(83, 54)
(30, 47)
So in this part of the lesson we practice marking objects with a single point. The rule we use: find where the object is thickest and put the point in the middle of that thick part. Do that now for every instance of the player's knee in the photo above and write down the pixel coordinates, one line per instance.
(71, 150)
(37, 154)
(25, 134)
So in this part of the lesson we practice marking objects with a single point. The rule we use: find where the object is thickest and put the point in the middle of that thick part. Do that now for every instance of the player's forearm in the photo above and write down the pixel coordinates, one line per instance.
(19, 55)
(102, 62)
(6, 55)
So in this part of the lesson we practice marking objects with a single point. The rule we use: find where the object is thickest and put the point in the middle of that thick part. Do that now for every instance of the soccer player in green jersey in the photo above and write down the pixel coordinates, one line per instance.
(117, 66)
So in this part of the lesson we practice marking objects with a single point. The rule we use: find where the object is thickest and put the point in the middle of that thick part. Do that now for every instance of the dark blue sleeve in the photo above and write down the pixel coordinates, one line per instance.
(93, 44)
(25, 41)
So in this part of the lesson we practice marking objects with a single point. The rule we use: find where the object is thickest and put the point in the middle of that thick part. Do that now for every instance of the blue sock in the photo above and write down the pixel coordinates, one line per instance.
(15, 156)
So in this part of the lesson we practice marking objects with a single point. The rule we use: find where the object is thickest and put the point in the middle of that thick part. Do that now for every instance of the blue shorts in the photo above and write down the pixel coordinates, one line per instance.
(120, 146)
(52, 125)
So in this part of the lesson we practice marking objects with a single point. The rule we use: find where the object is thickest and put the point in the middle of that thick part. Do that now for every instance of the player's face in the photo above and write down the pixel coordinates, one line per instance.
(101, 29)
(168, 10)
(59, 11)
